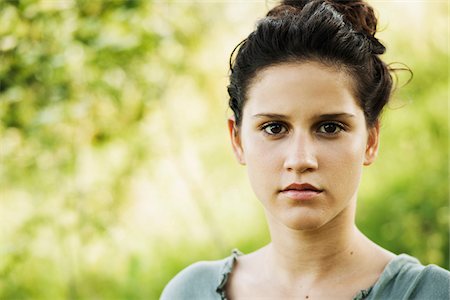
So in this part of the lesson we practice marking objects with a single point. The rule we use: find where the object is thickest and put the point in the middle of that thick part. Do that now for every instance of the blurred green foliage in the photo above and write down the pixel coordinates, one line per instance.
(115, 169)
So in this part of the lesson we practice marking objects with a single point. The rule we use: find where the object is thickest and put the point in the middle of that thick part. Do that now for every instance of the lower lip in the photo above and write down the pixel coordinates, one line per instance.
(300, 195)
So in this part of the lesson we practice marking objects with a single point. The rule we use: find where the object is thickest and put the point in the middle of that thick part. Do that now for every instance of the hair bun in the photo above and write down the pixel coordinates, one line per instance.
(363, 19)
(296, 3)
(357, 13)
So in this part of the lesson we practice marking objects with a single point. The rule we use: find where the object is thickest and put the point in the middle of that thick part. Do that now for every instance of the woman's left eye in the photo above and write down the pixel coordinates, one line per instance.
(330, 128)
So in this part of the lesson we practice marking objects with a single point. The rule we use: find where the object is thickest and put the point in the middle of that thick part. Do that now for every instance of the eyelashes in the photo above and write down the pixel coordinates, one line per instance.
(274, 128)
(331, 128)
(327, 128)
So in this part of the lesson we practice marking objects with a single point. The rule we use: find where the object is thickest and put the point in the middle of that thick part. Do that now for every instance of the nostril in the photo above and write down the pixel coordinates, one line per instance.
(301, 165)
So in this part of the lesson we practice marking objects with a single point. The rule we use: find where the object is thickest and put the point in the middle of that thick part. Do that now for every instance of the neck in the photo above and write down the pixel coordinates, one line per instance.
(313, 254)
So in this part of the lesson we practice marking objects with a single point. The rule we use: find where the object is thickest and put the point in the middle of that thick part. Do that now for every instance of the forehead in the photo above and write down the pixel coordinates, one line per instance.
(304, 87)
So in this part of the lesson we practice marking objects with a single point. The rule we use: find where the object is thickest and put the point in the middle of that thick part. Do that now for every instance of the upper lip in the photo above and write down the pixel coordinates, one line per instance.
(301, 187)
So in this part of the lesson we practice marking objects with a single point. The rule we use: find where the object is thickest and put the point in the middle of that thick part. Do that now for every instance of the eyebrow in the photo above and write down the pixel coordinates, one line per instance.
(320, 117)
(336, 116)
(270, 116)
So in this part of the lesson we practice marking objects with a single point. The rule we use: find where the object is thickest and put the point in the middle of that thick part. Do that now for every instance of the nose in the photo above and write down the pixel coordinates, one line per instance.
(300, 156)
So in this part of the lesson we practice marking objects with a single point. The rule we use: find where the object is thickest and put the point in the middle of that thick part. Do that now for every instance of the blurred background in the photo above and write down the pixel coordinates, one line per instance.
(115, 165)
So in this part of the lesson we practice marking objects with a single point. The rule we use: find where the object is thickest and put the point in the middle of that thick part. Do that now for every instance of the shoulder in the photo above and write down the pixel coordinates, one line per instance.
(412, 271)
(197, 281)
(406, 278)
(432, 282)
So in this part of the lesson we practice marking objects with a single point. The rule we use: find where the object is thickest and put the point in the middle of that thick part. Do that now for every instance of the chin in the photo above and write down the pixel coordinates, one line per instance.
(302, 221)
(304, 225)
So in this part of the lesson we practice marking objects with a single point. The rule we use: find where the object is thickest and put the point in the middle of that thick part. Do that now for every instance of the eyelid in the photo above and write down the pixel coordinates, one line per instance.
(339, 124)
(263, 126)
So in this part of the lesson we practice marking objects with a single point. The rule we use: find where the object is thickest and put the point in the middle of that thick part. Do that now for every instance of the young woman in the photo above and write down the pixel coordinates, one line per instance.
(306, 89)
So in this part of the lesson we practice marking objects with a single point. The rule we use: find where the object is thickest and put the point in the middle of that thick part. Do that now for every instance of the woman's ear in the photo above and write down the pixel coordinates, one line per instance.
(372, 144)
(236, 140)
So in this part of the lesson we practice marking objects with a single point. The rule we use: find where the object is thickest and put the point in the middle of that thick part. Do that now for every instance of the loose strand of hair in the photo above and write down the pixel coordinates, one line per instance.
(236, 48)
(395, 70)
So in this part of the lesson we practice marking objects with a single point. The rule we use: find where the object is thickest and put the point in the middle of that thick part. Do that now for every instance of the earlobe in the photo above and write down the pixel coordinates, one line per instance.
(236, 140)
(372, 144)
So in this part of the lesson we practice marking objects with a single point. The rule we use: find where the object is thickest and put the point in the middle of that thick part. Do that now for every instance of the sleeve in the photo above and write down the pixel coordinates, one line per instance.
(407, 279)
(433, 283)
(198, 281)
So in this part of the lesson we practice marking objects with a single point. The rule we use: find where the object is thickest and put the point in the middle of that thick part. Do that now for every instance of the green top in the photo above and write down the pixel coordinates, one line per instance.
(403, 278)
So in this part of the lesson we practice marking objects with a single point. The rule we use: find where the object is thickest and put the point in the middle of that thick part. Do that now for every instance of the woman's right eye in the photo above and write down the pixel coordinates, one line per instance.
(274, 129)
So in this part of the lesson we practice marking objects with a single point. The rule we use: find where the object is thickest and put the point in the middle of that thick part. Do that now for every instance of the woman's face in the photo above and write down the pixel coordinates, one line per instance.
(304, 140)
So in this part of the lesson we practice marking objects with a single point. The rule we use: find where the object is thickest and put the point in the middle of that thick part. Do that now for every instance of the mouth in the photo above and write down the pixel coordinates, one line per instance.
(301, 192)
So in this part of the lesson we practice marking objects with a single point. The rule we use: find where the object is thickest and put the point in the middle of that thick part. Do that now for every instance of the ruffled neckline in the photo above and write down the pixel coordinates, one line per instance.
(227, 268)
(230, 262)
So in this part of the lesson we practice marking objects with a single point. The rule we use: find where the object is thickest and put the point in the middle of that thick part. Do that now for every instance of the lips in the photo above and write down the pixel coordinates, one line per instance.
(301, 191)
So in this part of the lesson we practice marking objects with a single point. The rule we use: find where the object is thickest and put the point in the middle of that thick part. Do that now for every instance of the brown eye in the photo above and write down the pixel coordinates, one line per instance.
(274, 129)
(330, 128)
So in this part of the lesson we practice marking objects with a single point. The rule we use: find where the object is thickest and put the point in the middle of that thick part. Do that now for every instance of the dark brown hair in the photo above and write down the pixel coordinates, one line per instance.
(339, 34)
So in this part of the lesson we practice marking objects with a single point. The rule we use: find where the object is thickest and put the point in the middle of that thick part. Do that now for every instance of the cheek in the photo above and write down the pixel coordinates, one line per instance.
(344, 162)
(264, 162)
(259, 153)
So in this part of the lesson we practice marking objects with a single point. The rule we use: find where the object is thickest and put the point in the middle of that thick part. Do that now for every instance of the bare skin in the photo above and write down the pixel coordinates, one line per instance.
(301, 124)
(298, 266)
